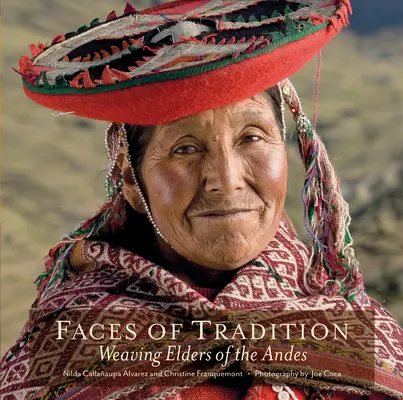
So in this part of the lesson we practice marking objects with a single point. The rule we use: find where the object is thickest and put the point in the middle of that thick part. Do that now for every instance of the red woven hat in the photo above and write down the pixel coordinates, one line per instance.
(180, 58)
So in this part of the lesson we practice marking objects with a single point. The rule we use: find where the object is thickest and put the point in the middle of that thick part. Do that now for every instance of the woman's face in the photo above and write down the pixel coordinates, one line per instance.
(216, 182)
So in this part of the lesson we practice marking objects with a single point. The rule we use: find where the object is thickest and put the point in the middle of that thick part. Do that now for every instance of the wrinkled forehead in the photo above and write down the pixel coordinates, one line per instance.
(260, 106)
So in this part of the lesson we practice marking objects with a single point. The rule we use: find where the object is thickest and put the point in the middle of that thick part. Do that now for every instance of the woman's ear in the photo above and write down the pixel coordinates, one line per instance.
(129, 188)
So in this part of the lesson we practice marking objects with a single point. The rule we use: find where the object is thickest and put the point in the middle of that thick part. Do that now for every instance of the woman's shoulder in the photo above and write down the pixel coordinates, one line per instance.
(78, 260)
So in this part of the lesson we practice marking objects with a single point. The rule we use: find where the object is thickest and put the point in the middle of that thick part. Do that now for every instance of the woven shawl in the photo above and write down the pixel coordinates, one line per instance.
(271, 288)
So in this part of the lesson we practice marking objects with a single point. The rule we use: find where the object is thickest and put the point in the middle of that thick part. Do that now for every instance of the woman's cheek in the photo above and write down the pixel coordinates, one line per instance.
(170, 185)
(269, 168)
(277, 167)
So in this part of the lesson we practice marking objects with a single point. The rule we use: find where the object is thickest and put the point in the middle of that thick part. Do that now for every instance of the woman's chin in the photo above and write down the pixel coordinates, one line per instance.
(227, 253)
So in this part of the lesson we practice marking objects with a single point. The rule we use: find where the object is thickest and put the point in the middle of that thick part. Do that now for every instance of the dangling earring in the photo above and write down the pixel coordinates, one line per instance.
(123, 137)
(114, 179)
(282, 108)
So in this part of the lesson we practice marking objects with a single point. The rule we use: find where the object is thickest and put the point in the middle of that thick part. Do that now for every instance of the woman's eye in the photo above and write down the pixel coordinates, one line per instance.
(188, 149)
(251, 138)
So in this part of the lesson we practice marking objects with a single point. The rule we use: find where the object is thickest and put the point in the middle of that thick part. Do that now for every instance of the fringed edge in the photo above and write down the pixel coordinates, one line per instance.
(110, 217)
(334, 269)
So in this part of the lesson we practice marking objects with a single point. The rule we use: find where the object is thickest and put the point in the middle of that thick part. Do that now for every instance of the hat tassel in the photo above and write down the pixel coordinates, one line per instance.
(326, 213)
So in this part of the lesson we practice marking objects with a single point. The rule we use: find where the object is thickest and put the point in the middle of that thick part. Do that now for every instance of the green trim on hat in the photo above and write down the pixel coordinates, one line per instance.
(177, 74)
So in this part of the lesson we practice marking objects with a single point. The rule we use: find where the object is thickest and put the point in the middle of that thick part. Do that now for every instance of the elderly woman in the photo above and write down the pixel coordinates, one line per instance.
(193, 239)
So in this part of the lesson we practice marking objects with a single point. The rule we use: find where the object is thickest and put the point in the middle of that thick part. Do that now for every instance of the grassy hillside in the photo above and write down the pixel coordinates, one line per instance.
(53, 167)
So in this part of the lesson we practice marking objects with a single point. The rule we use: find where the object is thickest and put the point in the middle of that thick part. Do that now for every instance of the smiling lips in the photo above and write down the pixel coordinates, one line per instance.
(225, 213)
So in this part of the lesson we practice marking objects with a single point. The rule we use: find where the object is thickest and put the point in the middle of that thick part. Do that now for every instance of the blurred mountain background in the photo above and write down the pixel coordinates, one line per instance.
(53, 167)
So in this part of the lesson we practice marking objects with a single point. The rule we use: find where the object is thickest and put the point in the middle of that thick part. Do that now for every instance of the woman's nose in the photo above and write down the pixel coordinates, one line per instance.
(223, 170)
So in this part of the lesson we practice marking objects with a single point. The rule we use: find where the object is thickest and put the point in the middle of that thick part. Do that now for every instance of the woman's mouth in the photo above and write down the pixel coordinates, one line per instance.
(225, 213)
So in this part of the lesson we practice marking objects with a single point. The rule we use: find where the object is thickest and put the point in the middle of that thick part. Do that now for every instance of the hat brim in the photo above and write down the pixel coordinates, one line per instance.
(209, 54)
(166, 98)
